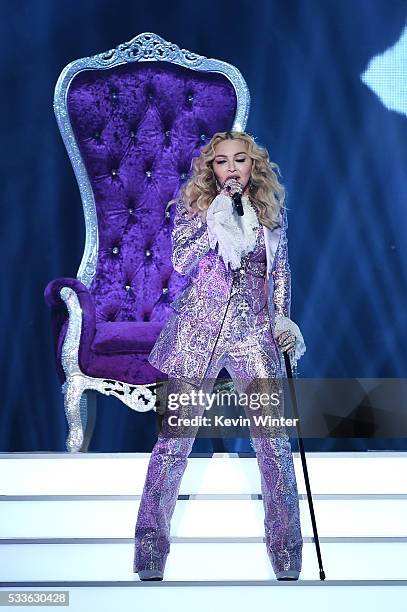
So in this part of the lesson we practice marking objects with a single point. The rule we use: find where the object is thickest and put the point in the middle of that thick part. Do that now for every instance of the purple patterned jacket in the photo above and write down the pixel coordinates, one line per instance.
(185, 344)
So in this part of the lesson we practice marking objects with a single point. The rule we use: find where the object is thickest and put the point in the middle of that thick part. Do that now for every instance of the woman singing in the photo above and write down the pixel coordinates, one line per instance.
(234, 314)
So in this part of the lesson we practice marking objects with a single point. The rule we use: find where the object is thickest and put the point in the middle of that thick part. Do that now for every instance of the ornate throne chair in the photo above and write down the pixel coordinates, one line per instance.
(131, 119)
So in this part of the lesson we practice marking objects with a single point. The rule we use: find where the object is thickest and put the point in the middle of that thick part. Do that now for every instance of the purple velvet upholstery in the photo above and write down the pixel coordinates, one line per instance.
(138, 126)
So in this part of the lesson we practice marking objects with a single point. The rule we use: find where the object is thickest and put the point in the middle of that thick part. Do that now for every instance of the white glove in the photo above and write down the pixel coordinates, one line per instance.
(283, 324)
(235, 235)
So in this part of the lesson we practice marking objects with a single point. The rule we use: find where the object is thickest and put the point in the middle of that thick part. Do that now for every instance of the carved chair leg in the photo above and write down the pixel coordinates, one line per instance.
(73, 390)
(88, 407)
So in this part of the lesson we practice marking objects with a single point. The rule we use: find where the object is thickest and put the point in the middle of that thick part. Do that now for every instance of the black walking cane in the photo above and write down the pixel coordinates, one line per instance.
(304, 462)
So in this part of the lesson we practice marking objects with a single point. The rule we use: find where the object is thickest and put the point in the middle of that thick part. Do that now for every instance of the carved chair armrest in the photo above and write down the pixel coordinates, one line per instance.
(59, 313)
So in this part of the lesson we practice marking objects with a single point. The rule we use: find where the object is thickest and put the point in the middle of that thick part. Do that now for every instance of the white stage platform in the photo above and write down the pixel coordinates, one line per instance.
(67, 523)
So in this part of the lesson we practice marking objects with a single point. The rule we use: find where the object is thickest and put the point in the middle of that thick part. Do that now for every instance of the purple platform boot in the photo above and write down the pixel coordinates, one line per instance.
(167, 465)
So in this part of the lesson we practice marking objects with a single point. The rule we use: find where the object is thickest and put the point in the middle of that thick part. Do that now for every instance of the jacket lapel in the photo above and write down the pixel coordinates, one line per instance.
(271, 240)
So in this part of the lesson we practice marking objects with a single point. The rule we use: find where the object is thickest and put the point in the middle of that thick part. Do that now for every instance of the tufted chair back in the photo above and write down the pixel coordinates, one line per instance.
(138, 126)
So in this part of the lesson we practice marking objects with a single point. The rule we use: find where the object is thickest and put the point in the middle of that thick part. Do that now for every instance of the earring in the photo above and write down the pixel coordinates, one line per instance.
(250, 183)
(217, 187)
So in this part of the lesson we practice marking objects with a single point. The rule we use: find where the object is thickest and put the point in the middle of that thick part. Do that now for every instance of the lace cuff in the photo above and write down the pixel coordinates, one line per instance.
(283, 324)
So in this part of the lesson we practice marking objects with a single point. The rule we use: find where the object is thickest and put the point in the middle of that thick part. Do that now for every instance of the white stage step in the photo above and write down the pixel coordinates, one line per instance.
(197, 518)
(224, 473)
(235, 597)
(67, 523)
(198, 561)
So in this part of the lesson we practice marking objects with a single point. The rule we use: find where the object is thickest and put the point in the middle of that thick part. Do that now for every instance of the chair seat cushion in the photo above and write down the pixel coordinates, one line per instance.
(126, 336)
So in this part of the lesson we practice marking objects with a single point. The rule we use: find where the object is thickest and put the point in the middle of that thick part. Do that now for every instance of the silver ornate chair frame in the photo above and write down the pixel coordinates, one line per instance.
(145, 47)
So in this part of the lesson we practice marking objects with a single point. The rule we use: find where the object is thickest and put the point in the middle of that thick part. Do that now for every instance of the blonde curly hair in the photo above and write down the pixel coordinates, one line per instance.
(267, 194)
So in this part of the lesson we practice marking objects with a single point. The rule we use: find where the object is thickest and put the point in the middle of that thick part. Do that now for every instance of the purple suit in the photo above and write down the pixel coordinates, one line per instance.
(224, 318)
(186, 343)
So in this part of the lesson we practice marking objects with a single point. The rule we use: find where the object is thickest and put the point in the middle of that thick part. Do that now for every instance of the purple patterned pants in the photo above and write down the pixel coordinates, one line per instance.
(249, 356)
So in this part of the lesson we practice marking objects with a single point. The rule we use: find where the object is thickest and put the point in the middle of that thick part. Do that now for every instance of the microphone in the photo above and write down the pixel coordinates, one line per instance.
(237, 202)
